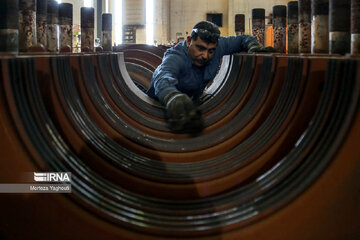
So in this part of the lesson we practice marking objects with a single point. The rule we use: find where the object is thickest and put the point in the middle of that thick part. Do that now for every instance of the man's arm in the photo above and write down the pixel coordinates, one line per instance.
(166, 76)
(242, 43)
(181, 113)
(235, 44)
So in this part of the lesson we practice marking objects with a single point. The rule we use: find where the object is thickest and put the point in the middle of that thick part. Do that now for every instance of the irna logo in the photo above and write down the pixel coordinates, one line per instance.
(52, 177)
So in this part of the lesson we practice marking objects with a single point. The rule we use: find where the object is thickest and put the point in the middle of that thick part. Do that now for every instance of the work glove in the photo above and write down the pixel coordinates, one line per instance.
(182, 114)
(255, 47)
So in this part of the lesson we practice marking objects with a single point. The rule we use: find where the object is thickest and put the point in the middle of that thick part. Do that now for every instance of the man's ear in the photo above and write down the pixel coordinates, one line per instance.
(188, 40)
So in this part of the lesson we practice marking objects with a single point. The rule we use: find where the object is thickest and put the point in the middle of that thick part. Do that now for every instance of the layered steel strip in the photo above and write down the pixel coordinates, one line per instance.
(302, 121)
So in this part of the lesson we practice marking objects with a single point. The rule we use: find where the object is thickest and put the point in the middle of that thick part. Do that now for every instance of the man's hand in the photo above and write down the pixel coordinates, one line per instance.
(182, 114)
(254, 47)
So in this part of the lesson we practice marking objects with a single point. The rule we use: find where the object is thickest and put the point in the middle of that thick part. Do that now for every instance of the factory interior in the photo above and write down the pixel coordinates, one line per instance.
(268, 149)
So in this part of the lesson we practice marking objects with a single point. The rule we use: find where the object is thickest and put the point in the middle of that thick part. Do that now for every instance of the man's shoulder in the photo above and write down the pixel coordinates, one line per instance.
(177, 55)
(179, 49)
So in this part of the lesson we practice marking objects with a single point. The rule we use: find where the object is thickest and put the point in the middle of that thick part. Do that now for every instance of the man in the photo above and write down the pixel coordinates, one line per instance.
(188, 67)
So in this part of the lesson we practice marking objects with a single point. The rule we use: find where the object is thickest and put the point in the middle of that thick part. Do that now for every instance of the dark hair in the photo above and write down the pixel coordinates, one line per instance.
(207, 31)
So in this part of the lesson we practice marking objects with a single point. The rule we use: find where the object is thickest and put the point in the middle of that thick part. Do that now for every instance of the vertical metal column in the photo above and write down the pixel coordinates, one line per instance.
(304, 26)
(27, 24)
(355, 26)
(41, 22)
(279, 25)
(9, 26)
(239, 24)
(107, 31)
(340, 16)
(320, 26)
(258, 25)
(99, 12)
(87, 29)
(53, 26)
(66, 30)
(293, 27)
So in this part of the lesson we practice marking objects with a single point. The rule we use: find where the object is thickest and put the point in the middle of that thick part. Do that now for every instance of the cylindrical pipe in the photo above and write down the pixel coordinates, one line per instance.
(87, 29)
(9, 26)
(66, 22)
(27, 24)
(41, 22)
(304, 26)
(320, 26)
(293, 27)
(355, 26)
(240, 24)
(258, 25)
(340, 36)
(53, 26)
(107, 31)
(279, 25)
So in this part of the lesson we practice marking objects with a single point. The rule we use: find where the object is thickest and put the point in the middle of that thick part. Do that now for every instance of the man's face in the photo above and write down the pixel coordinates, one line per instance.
(200, 52)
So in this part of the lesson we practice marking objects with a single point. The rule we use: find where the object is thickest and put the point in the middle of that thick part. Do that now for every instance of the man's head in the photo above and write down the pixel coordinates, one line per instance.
(203, 42)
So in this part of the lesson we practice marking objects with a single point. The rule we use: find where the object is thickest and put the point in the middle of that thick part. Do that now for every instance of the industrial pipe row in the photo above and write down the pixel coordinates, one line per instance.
(309, 26)
(317, 26)
(45, 25)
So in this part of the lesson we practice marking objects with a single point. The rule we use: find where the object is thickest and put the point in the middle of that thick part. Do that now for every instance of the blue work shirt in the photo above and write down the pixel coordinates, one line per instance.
(177, 72)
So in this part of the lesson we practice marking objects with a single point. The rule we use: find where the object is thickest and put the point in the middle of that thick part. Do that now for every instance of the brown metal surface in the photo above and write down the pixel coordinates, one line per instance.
(283, 164)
